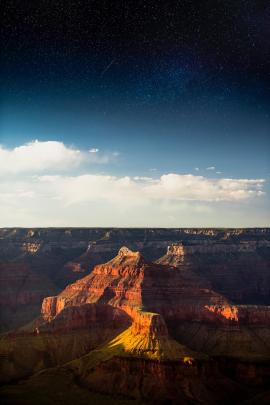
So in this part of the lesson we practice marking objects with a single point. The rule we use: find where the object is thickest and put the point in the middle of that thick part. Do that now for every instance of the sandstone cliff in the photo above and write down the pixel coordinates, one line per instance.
(129, 281)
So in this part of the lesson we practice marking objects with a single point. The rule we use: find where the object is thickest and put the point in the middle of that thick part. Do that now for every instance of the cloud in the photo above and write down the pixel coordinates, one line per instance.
(38, 156)
(211, 168)
(198, 188)
(197, 169)
(39, 187)
(142, 178)
(140, 190)
(103, 200)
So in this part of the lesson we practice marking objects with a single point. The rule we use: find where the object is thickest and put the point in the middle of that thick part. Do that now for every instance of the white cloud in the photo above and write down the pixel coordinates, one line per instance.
(143, 178)
(197, 169)
(93, 150)
(38, 156)
(138, 190)
(34, 191)
(190, 187)
(101, 200)
(211, 168)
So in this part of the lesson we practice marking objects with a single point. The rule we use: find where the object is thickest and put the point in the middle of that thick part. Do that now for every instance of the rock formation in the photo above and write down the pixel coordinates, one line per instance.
(228, 266)
(182, 329)
(131, 282)
(224, 257)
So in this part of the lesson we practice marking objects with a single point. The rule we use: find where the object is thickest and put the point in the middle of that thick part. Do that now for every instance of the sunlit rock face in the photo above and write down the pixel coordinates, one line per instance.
(228, 312)
(117, 282)
(130, 281)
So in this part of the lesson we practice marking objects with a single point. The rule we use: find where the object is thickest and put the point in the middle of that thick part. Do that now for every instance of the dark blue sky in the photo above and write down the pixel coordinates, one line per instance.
(172, 86)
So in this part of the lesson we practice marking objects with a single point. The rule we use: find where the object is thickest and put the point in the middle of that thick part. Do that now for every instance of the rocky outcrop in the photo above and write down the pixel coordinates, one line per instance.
(149, 323)
(52, 306)
(130, 282)
(116, 282)
(243, 314)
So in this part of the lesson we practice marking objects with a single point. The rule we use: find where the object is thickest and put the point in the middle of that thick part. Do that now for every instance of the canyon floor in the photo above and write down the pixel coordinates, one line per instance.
(129, 316)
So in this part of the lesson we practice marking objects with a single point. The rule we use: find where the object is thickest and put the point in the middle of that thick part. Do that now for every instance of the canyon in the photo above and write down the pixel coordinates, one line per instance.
(135, 315)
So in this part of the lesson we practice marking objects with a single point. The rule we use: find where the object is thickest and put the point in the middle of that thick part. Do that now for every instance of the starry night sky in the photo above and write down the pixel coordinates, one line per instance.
(171, 85)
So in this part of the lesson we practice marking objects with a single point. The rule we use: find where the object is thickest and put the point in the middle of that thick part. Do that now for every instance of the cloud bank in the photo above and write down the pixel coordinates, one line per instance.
(138, 190)
(35, 192)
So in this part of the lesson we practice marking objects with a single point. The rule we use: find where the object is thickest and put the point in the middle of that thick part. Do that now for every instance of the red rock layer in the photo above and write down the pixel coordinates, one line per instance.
(130, 282)
(239, 271)
(87, 316)
(148, 323)
(116, 282)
